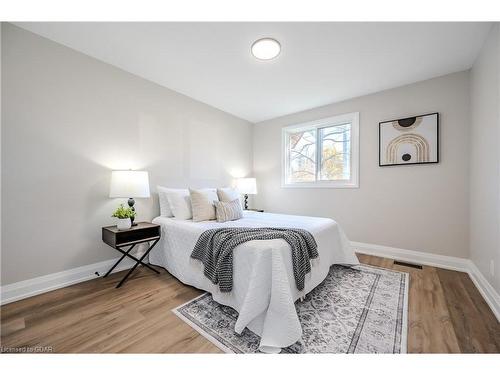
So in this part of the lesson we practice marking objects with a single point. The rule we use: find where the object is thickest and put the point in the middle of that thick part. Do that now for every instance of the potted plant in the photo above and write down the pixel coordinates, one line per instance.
(123, 214)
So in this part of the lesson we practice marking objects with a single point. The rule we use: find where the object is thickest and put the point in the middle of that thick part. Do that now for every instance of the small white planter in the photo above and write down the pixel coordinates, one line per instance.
(124, 224)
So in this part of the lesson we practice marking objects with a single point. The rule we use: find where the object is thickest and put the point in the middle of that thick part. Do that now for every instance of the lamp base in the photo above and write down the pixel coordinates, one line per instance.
(131, 203)
(246, 201)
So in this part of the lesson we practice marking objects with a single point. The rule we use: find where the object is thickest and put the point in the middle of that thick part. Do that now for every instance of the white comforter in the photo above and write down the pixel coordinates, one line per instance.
(264, 288)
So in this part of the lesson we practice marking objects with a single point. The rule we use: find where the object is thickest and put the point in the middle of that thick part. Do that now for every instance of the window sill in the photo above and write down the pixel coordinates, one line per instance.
(321, 186)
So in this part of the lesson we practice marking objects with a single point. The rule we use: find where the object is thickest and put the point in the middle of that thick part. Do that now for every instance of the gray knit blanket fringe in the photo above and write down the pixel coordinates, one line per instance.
(215, 248)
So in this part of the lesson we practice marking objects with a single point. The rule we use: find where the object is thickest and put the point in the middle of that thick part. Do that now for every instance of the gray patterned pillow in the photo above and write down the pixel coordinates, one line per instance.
(227, 211)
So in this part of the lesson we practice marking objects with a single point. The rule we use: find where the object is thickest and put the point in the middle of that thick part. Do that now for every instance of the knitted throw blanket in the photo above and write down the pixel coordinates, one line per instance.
(215, 248)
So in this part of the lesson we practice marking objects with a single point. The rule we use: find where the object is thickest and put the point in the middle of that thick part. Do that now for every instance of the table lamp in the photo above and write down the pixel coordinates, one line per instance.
(246, 186)
(129, 184)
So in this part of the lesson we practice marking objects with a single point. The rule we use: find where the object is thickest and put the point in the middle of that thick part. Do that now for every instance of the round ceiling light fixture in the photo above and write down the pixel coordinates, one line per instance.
(266, 48)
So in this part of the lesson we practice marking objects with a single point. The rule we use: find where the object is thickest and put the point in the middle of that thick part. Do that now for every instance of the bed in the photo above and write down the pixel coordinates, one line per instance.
(264, 289)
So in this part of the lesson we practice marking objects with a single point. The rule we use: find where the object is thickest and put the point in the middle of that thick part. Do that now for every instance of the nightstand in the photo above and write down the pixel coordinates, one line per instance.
(120, 239)
(254, 209)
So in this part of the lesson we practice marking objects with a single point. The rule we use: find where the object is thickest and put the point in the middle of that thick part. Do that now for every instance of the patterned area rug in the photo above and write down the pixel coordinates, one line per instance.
(359, 309)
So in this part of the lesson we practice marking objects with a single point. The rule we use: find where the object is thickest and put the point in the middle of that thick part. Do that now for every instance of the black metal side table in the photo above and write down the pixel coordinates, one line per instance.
(120, 239)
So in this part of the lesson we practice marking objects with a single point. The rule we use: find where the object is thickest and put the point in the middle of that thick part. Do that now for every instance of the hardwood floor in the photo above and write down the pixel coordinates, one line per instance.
(446, 315)
(441, 314)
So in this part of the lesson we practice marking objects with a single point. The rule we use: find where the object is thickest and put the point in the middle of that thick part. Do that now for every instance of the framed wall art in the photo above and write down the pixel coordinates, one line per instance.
(411, 140)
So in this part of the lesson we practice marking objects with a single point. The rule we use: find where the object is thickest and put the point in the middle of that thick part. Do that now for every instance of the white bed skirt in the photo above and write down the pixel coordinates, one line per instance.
(264, 288)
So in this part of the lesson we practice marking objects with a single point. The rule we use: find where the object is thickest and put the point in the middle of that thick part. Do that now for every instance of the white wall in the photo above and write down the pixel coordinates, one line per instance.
(485, 159)
(67, 121)
(420, 207)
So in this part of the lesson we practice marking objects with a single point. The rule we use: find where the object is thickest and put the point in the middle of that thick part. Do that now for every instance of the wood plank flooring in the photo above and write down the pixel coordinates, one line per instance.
(446, 315)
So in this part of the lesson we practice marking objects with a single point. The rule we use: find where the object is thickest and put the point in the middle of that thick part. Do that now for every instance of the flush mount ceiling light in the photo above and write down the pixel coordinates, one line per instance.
(266, 48)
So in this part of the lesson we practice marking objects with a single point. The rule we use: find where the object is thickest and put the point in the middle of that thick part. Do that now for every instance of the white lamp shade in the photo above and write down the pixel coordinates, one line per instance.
(129, 184)
(246, 185)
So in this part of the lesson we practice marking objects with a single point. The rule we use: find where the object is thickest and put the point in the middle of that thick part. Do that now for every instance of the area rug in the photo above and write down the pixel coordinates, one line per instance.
(359, 309)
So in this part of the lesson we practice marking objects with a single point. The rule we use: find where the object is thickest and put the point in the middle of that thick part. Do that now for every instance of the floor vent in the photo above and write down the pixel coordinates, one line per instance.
(399, 263)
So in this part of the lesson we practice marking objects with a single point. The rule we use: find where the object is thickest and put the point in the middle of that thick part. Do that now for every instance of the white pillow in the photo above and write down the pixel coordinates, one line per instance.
(202, 204)
(228, 194)
(165, 209)
(180, 204)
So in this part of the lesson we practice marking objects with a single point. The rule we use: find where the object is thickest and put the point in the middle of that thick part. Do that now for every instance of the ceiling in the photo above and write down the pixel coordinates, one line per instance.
(320, 63)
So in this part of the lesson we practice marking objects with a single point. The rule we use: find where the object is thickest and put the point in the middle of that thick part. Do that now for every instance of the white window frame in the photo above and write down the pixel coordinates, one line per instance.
(353, 182)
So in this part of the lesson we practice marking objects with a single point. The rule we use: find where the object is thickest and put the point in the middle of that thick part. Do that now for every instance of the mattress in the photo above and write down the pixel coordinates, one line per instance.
(264, 289)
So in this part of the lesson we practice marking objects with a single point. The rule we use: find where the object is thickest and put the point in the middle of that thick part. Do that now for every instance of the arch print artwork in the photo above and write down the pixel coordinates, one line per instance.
(411, 140)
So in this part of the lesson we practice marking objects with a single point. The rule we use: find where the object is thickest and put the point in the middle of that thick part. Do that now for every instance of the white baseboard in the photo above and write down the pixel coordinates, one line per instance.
(28, 288)
(38, 285)
(442, 261)
(419, 257)
(489, 294)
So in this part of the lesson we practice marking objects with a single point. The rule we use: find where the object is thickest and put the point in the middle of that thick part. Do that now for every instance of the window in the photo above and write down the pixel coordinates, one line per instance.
(322, 153)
